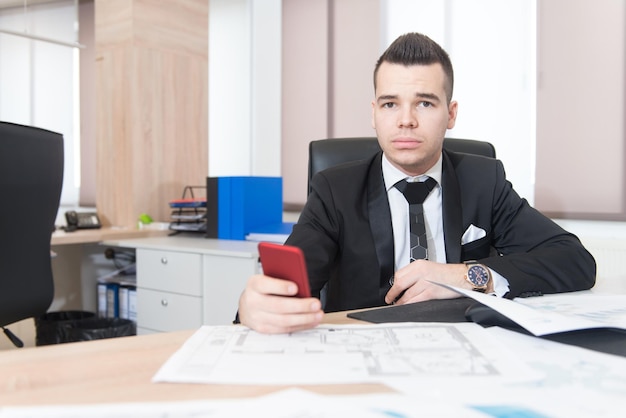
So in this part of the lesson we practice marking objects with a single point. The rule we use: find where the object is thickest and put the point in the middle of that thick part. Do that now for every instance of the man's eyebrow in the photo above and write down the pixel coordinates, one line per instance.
(431, 96)
(386, 97)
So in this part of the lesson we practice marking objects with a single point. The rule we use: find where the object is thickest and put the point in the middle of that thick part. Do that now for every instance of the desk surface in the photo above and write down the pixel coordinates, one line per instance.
(120, 370)
(194, 243)
(86, 236)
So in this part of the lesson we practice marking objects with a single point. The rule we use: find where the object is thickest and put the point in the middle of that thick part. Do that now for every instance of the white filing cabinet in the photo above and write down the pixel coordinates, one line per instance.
(184, 282)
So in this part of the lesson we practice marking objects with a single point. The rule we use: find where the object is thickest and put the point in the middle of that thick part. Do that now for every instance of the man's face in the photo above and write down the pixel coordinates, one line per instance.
(410, 115)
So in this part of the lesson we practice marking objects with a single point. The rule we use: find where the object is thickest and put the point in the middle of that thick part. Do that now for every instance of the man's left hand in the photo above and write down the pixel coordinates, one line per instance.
(412, 283)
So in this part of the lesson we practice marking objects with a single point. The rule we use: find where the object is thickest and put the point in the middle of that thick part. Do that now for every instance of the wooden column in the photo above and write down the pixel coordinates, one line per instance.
(151, 105)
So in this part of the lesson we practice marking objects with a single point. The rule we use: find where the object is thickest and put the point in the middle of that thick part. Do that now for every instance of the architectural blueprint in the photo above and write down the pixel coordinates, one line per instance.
(338, 354)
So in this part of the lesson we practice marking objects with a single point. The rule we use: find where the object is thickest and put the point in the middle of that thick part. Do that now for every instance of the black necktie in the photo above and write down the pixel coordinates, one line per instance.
(415, 193)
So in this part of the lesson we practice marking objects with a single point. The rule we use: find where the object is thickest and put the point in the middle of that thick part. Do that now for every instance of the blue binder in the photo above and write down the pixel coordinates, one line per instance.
(238, 205)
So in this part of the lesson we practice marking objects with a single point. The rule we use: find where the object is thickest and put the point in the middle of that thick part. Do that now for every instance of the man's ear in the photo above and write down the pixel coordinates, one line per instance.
(452, 111)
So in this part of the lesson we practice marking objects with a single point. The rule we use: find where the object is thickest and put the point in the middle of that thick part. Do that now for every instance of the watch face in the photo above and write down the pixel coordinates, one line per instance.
(478, 276)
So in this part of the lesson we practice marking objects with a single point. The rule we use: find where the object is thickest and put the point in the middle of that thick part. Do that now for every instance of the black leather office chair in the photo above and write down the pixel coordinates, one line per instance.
(31, 177)
(326, 153)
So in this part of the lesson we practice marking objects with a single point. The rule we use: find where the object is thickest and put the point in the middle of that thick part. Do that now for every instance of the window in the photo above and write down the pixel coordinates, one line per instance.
(38, 79)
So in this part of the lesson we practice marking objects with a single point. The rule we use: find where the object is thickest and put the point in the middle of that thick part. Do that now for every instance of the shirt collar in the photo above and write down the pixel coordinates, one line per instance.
(391, 175)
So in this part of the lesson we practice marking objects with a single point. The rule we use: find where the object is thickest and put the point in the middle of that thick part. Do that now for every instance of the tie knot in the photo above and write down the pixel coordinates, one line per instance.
(416, 192)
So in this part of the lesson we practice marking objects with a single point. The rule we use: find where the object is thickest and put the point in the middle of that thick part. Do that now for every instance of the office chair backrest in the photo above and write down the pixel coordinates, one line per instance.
(31, 177)
(325, 153)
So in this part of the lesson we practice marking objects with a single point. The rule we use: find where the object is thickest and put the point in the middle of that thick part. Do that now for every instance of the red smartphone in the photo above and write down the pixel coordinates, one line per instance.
(285, 262)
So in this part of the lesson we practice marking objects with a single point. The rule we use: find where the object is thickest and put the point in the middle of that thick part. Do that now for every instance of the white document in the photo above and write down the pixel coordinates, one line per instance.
(340, 354)
(609, 310)
(549, 321)
(577, 382)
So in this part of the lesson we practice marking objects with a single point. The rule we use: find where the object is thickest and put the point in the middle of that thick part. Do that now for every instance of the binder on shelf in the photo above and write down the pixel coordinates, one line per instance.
(123, 301)
(102, 300)
(112, 300)
(132, 304)
(238, 205)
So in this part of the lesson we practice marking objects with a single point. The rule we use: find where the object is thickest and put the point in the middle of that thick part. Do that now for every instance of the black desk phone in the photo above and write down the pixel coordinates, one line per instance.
(81, 220)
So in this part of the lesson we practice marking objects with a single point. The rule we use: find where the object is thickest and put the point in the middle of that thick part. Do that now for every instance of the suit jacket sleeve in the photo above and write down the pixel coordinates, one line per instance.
(346, 235)
(533, 253)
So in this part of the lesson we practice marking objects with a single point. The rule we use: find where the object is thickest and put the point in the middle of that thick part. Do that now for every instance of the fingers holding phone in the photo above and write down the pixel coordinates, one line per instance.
(268, 305)
(279, 300)
(266, 285)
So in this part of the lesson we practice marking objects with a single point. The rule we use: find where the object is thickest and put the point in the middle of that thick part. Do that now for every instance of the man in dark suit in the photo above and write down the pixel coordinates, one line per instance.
(354, 228)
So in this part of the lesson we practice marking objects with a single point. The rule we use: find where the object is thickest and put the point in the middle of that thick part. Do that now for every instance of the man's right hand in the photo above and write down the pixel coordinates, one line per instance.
(267, 305)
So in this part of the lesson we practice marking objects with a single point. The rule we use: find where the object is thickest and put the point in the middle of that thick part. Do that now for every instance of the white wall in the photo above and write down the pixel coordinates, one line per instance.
(244, 86)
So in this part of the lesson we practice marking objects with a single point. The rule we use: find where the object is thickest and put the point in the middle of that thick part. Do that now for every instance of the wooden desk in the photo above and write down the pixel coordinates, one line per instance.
(120, 370)
(87, 236)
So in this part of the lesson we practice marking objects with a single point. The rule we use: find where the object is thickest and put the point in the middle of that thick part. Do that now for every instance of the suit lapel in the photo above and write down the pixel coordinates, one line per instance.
(380, 223)
(452, 215)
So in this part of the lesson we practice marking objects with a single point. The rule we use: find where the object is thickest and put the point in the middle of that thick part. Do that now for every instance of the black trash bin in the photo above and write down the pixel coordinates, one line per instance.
(70, 326)
(100, 328)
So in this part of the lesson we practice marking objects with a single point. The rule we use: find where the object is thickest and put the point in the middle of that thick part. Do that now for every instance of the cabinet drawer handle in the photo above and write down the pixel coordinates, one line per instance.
(163, 260)
(164, 302)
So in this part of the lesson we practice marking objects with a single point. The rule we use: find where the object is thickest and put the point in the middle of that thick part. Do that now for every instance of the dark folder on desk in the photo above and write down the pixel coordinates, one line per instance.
(610, 341)
(448, 310)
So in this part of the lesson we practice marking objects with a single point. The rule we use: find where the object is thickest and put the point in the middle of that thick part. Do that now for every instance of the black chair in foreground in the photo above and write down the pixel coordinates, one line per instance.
(31, 177)
(326, 153)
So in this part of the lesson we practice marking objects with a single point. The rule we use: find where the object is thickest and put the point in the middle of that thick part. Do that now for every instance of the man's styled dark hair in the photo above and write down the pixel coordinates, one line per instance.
(417, 49)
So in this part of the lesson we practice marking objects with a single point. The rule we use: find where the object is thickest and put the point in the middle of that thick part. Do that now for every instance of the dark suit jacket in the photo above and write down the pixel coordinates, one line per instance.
(346, 235)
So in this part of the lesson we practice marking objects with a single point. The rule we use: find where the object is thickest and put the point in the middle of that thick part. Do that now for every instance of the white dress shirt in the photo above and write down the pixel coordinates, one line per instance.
(432, 217)
(400, 214)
